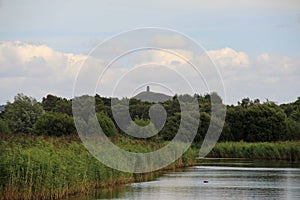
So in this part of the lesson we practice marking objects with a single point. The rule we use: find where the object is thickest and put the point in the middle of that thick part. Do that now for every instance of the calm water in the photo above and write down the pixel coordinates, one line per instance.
(225, 181)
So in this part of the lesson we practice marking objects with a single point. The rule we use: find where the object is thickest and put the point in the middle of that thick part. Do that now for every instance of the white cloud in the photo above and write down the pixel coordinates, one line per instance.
(276, 64)
(37, 70)
(268, 76)
(228, 57)
(175, 56)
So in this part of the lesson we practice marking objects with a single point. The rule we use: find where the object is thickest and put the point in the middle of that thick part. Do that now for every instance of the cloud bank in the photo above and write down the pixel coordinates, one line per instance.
(38, 70)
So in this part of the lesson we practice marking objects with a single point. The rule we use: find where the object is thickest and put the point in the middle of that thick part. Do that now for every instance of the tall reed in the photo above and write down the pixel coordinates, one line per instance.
(289, 150)
(36, 167)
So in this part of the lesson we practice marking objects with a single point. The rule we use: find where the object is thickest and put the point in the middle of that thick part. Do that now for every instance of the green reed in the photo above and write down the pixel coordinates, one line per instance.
(289, 150)
(37, 167)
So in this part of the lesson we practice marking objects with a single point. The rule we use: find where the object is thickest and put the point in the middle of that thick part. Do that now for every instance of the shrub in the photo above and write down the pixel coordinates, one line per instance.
(54, 124)
(107, 124)
(4, 127)
(141, 127)
(22, 114)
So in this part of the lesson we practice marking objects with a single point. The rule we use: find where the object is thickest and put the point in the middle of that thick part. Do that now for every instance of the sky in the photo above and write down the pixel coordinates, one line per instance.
(254, 44)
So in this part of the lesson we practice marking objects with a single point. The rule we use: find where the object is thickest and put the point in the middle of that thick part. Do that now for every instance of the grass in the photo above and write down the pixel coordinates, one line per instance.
(289, 151)
(37, 167)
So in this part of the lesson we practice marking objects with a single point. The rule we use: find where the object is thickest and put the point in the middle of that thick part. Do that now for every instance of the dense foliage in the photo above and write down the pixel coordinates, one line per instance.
(107, 125)
(46, 167)
(56, 124)
(22, 114)
(250, 120)
(257, 123)
(289, 151)
(4, 126)
(43, 167)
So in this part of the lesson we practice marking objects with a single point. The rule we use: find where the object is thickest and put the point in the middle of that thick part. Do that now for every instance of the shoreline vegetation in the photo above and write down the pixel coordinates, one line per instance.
(43, 167)
(42, 157)
(285, 151)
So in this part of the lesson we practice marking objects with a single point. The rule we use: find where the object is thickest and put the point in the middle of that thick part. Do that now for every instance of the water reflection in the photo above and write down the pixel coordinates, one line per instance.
(257, 181)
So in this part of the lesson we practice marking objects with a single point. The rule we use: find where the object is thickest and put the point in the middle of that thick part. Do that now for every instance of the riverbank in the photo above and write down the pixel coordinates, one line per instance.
(38, 167)
(288, 150)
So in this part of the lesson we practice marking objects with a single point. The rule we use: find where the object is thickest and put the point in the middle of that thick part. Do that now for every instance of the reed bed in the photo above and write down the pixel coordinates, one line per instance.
(40, 167)
(37, 167)
(288, 150)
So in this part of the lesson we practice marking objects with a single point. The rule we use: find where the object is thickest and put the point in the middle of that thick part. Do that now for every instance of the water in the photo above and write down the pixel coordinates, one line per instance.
(225, 180)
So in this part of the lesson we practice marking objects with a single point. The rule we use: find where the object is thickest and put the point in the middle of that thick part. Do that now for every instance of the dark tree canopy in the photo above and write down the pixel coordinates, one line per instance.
(107, 125)
(4, 126)
(22, 114)
(57, 104)
(54, 124)
(250, 120)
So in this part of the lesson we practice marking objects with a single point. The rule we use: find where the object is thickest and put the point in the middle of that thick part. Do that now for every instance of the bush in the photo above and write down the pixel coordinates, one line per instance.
(22, 114)
(293, 129)
(107, 124)
(4, 127)
(141, 128)
(54, 124)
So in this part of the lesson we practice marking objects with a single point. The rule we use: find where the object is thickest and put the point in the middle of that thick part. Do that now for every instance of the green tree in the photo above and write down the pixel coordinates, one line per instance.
(245, 102)
(107, 125)
(57, 104)
(131, 128)
(265, 122)
(102, 105)
(54, 124)
(49, 102)
(139, 109)
(253, 122)
(226, 134)
(293, 129)
(171, 127)
(295, 115)
(22, 114)
(293, 125)
(172, 106)
(4, 126)
(235, 118)
(64, 106)
(203, 127)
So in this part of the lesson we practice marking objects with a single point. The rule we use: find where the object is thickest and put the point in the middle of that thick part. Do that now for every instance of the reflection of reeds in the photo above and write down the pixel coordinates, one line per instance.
(37, 167)
(289, 151)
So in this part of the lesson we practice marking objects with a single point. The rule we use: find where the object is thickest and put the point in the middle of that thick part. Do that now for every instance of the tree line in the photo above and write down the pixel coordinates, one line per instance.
(249, 120)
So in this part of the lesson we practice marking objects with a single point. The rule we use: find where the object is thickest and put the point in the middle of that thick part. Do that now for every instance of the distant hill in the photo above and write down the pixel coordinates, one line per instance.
(152, 96)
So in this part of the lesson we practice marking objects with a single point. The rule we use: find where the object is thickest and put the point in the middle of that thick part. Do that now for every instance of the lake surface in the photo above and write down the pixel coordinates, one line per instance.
(219, 180)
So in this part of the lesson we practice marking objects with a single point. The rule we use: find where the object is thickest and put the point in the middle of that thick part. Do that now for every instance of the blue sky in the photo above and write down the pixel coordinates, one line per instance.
(255, 28)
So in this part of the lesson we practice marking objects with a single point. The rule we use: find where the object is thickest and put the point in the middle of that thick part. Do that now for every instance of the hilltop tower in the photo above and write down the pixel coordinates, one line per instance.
(148, 88)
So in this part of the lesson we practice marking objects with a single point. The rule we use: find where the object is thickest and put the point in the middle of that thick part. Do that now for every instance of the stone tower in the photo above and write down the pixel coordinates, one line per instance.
(148, 88)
